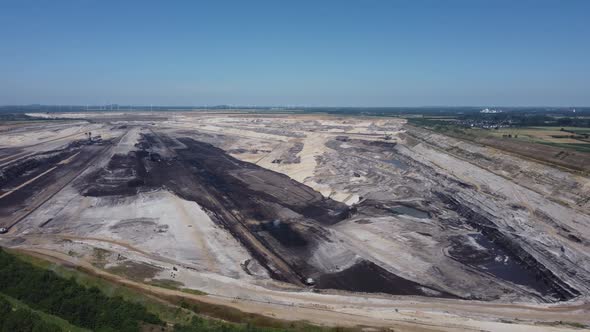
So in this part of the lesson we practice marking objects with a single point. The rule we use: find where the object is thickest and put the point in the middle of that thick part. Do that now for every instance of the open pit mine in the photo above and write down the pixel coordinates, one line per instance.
(336, 220)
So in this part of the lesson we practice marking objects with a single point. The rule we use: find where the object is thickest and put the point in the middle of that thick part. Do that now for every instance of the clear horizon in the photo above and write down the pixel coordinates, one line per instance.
(303, 54)
(123, 107)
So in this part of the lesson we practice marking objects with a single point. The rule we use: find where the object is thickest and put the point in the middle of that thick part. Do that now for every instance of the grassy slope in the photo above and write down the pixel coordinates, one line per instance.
(63, 324)
(164, 310)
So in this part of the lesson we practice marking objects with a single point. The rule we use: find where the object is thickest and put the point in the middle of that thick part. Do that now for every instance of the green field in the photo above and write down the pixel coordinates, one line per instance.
(552, 136)
(568, 138)
(576, 147)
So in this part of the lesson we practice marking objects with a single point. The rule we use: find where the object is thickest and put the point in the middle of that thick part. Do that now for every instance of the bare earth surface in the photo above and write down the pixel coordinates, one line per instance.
(335, 220)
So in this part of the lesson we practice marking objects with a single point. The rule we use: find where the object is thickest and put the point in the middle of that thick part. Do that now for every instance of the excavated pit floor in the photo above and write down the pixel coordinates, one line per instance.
(324, 199)
(285, 217)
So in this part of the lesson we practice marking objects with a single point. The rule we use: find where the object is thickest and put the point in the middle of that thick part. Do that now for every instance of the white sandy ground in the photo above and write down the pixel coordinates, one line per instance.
(156, 222)
(128, 141)
(305, 129)
(48, 136)
(40, 137)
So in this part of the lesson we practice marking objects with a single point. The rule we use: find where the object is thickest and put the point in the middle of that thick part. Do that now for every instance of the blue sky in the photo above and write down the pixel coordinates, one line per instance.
(320, 53)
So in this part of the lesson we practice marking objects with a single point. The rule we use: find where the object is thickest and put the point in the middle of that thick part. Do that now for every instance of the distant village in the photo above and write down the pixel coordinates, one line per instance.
(486, 123)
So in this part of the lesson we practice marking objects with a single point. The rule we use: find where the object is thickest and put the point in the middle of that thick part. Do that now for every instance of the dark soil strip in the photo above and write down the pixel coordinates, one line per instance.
(279, 221)
(539, 277)
(368, 277)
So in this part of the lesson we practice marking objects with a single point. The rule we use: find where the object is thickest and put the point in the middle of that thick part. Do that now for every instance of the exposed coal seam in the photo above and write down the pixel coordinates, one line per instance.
(16, 169)
(216, 181)
(562, 290)
(226, 201)
(216, 171)
(104, 182)
(219, 167)
(368, 277)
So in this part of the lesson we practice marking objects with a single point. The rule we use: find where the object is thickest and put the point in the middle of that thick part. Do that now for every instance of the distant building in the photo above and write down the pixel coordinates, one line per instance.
(487, 110)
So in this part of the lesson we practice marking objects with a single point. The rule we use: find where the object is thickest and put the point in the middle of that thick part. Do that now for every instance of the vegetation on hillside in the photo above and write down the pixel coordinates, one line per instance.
(23, 320)
(86, 307)
(56, 295)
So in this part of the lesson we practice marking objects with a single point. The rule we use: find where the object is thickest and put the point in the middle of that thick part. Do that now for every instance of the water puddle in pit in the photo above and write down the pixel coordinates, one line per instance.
(409, 211)
(486, 255)
(398, 164)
